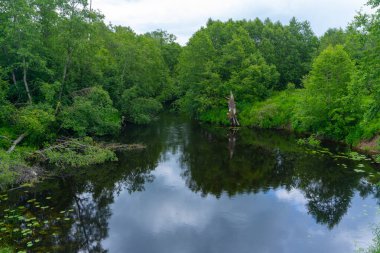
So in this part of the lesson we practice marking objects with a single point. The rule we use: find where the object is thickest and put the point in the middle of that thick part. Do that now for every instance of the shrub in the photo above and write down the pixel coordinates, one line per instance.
(139, 110)
(78, 153)
(275, 112)
(311, 141)
(91, 113)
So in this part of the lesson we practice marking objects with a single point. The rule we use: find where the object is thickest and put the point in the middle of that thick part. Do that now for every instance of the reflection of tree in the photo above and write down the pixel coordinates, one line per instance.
(92, 226)
(232, 142)
(89, 193)
(263, 160)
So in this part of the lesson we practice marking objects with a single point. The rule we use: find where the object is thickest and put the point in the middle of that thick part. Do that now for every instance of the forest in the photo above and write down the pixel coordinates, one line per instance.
(68, 79)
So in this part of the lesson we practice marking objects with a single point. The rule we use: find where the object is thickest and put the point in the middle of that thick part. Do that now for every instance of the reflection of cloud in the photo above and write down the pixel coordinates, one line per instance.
(183, 17)
(355, 238)
(355, 233)
(167, 217)
(293, 196)
(171, 216)
(168, 175)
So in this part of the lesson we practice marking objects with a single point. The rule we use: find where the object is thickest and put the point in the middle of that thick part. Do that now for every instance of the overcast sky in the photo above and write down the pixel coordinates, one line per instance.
(184, 17)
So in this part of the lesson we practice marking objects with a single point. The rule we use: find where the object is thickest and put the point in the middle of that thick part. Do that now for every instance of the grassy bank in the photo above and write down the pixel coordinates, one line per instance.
(280, 111)
(26, 164)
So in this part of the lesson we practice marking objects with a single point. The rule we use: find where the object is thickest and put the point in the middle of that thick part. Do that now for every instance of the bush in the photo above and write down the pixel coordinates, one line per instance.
(78, 153)
(6, 250)
(139, 110)
(36, 120)
(275, 112)
(8, 165)
(91, 113)
(312, 141)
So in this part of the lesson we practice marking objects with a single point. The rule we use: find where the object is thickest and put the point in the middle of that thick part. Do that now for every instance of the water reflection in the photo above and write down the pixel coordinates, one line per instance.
(202, 189)
(263, 162)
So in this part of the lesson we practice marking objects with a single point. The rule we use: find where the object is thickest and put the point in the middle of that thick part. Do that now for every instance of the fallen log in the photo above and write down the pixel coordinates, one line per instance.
(16, 142)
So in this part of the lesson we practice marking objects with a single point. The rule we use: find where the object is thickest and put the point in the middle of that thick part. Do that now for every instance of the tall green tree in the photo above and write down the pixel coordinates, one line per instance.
(332, 37)
(217, 60)
(329, 100)
(21, 43)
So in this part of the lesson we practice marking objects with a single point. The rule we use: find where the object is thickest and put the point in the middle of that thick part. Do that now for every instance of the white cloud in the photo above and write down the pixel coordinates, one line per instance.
(184, 17)
(294, 196)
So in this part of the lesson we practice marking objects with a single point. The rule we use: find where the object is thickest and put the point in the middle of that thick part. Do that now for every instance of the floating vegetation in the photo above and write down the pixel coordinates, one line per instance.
(356, 156)
(312, 141)
(377, 158)
(27, 226)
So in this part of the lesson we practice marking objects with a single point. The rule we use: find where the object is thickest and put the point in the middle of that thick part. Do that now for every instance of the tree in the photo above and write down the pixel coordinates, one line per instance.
(21, 42)
(328, 105)
(74, 33)
(363, 45)
(217, 60)
(332, 37)
(170, 50)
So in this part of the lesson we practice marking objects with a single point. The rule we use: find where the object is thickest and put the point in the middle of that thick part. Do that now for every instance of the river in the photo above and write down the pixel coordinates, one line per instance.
(197, 188)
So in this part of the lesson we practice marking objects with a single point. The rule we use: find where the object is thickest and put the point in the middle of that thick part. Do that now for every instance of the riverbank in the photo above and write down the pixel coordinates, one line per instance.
(25, 165)
(281, 111)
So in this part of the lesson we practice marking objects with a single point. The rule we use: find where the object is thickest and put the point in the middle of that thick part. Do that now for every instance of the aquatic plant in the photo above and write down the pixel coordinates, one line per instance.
(311, 141)
(27, 225)
(356, 156)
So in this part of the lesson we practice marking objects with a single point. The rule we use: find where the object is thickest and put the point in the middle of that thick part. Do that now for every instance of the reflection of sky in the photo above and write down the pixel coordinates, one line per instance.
(168, 217)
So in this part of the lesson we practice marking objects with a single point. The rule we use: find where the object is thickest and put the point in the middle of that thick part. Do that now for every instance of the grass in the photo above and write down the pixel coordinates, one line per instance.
(6, 250)
(275, 112)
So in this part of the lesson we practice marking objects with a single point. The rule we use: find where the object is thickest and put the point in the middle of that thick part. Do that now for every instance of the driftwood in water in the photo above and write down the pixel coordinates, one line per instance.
(121, 147)
(232, 112)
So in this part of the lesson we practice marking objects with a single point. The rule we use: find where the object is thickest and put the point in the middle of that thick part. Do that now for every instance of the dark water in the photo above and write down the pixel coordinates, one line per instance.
(201, 189)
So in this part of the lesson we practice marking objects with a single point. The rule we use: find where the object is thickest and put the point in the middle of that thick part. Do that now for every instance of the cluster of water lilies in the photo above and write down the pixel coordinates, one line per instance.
(27, 225)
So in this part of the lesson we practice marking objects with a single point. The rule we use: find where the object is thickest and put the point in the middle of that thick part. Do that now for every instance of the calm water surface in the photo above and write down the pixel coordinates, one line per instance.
(202, 189)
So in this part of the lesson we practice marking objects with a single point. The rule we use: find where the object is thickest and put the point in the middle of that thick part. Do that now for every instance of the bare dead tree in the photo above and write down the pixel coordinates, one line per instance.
(232, 112)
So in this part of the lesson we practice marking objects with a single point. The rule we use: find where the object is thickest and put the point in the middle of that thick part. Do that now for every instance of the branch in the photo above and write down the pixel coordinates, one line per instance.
(5, 137)
(16, 142)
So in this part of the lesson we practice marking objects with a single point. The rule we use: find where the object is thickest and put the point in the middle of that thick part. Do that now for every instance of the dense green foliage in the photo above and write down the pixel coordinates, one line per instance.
(91, 113)
(11, 165)
(284, 77)
(63, 71)
(6, 250)
(328, 102)
(249, 58)
(77, 153)
(275, 112)
(52, 51)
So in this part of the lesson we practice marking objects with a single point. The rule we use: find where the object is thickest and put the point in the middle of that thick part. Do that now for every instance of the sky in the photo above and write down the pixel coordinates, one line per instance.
(184, 17)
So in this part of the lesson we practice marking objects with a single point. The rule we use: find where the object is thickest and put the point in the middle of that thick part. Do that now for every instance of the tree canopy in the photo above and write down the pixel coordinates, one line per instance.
(64, 71)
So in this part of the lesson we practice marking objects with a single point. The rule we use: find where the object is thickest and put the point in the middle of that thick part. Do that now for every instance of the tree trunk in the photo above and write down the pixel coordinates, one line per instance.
(8, 62)
(26, 82)
(16, 142)
(64, 76)
(14, 78)
(232, 112)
